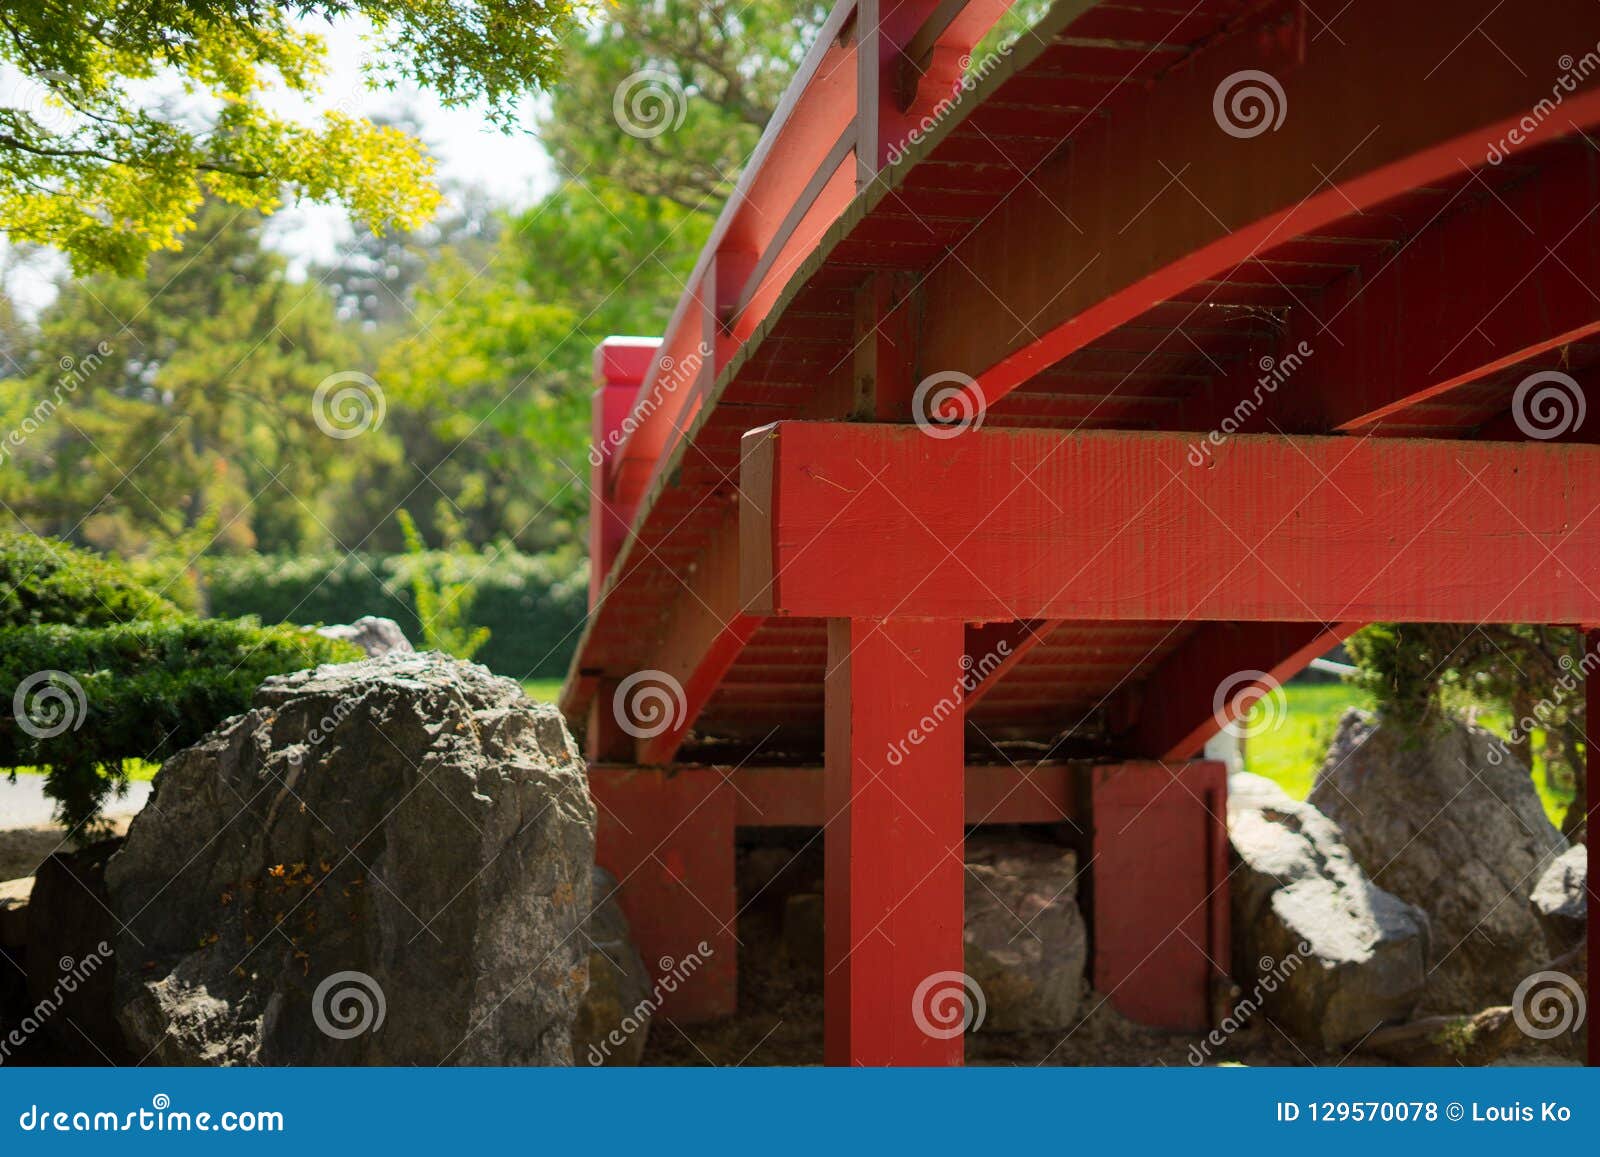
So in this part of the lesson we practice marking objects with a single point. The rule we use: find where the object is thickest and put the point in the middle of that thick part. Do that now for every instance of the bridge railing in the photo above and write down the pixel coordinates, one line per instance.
(875, 69)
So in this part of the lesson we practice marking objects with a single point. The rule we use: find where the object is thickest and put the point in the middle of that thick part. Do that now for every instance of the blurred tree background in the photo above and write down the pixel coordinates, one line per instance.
(167, 392)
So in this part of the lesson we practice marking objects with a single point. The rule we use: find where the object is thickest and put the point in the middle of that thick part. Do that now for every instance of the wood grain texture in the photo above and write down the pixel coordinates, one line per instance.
(880, 521)
(893, 874)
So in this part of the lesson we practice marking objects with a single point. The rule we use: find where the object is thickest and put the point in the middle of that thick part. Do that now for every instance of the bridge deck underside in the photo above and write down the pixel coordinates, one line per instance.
(1183, 363)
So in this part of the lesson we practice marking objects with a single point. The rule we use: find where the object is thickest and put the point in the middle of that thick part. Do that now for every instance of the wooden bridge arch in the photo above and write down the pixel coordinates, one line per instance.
(1172, 342)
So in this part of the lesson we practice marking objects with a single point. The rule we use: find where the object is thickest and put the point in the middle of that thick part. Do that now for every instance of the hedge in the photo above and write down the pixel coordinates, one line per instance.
(95, 696)
(533, 604)
(43, 580)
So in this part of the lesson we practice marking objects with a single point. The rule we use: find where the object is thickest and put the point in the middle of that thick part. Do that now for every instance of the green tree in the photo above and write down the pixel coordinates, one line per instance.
(490, 393)
(667, 98)
(97, 162)
(186, 394)
(1529, 674)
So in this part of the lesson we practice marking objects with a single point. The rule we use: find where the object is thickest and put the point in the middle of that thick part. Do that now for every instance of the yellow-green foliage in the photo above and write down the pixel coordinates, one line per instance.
(94, 162)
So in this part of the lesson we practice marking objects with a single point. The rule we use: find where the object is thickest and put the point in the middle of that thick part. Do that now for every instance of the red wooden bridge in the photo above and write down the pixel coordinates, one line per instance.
(1027, 414)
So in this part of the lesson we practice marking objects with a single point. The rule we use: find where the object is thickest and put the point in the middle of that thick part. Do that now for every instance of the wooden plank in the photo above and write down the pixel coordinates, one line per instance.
(668, 839)
(1044, 793)
(880, 521)
(1158, 890)
(893, 878)
(1173, 712)
(1156, 185)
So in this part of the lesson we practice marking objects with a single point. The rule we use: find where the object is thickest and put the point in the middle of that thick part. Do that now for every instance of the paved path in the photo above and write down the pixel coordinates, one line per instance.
(24, 805)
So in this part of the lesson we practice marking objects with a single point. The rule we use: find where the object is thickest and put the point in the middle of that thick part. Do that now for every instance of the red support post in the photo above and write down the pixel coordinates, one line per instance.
(893, 845)
(1591, 809)
(668, 839)
(1159, 892)
(620, 365)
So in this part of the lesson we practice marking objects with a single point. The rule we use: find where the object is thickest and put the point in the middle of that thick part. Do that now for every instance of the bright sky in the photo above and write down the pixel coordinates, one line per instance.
(513, 168)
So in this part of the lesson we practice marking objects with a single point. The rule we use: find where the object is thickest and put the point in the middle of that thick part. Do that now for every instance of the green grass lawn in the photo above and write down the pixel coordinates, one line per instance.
(1290, 753)
(542, 690)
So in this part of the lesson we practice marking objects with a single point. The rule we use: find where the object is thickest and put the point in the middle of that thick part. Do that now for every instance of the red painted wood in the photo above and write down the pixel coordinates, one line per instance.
(705, 676)
(1173, 712)
(620, 364)
(1114, 193)
(880, 520)
(893, 844)
(1495, 279)
(1044, 793)
(668, 839)
(1004, 645)
(1159, 895)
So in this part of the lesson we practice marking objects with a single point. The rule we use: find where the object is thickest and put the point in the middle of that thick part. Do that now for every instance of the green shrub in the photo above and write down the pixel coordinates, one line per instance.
(43, 580)
(93, 697)
(443, 611)
(532, 604)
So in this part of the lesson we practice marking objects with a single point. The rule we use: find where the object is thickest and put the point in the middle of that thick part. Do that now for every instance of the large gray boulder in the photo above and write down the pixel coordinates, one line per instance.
(384, 862)
(376, 636)
(1316, 945)
(1026, 944)
(1448, 820)
(614, 1020)
(1559, 901)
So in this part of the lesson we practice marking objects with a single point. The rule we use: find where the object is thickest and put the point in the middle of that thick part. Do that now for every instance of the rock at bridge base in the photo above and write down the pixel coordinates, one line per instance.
(613, 1023)
(1559, 902)
(1448, 820)
(1317, 946)
(384, 862)
(1026, 942)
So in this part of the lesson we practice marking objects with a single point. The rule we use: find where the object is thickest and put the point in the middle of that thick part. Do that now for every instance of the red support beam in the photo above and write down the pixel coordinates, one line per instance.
(1499, 276)
(1158, 198)
(873, 521)
(1159, 894)
(1173, 712)
(1044, 793)
(1004, 645)
(893, 845)
(668, 839)
(620, 365)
